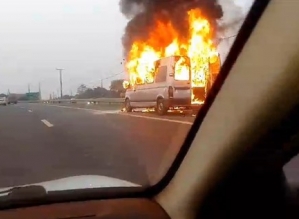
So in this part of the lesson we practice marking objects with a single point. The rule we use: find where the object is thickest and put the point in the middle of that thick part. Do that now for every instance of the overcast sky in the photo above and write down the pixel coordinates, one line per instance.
(81, 36)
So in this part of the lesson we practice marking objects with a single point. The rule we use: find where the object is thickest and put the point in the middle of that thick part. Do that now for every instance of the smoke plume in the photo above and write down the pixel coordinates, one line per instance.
(144, 13)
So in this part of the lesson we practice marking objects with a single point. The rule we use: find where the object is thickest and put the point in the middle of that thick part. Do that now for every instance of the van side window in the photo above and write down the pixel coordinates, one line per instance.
(150, 76)
(161, 74)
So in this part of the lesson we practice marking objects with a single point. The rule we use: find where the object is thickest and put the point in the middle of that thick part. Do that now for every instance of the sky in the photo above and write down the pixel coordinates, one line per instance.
(234, 10)
(81, 36)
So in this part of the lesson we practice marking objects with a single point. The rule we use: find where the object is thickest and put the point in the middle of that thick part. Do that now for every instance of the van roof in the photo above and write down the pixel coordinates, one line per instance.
(169, 57)
(173, 56)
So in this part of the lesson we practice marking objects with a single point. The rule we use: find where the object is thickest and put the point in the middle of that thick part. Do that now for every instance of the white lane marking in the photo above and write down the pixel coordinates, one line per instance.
(22, 107)
(30, 111)
(156, 118)
(106, 112)
(47, 123)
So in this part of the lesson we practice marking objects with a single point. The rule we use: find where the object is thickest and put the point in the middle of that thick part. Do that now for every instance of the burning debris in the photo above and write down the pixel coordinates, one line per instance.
(162, 28)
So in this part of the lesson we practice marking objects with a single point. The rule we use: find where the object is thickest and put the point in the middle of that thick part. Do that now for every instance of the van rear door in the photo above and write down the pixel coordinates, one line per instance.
(180, 77)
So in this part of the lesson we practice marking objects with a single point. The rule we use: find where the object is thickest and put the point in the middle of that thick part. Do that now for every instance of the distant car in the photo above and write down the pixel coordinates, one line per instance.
(12, 98)
(73, 100)
(3, 101)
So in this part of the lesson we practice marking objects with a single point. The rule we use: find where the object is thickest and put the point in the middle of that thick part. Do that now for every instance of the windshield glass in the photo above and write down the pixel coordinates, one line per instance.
(94, 91)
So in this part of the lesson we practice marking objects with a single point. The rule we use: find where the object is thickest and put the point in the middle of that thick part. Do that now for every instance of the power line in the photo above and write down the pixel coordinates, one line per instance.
(224, 38)
(111, 76)
(225, 26)
(230, 36)
(219, 40)
(60, 79)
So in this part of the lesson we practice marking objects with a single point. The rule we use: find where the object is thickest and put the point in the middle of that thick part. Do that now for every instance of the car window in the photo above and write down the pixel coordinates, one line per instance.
(161, 74)
(75, 116)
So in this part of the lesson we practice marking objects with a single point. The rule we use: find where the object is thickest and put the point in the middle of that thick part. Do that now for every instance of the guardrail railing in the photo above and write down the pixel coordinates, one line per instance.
(91, 100)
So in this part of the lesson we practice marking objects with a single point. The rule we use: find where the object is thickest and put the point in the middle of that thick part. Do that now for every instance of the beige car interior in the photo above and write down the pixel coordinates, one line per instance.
(260, 91)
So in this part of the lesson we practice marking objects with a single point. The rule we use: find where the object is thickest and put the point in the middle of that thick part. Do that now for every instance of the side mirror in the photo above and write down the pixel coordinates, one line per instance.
(126, 84)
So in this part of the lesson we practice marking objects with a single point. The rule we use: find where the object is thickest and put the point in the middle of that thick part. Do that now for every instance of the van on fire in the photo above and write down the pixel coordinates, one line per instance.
(171, 83)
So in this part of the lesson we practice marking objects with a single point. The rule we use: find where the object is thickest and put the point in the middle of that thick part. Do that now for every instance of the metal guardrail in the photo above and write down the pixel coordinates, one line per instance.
(92, 100)
(29, 101)
(74, 101)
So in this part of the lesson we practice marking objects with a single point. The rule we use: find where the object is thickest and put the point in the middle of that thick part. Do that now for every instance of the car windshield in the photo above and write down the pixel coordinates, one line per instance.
(82, 105)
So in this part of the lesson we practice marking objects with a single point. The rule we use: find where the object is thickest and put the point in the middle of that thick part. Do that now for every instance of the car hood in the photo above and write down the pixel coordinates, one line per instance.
(81, 182)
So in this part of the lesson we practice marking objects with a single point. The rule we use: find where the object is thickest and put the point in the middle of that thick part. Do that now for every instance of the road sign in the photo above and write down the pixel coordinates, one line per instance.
(33, 96)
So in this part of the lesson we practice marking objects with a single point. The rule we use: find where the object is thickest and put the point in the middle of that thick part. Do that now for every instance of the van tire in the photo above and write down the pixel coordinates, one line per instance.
(128, 106)
(161, 109)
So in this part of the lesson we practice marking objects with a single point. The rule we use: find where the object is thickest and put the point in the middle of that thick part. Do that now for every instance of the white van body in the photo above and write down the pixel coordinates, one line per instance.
(165, 88)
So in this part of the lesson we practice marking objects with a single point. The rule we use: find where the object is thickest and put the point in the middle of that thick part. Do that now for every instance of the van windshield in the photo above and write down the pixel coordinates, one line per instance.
(182, 68)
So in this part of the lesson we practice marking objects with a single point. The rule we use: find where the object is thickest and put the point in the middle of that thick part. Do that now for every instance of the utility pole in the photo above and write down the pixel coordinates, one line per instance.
(102, 82)
(39, 91)
(60, 76)
(29, 88)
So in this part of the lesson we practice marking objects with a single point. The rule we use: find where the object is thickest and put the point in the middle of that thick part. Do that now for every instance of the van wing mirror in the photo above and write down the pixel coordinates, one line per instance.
(126, 84)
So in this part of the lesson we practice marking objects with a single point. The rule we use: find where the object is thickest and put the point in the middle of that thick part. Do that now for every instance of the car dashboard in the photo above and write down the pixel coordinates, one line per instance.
(98, 209)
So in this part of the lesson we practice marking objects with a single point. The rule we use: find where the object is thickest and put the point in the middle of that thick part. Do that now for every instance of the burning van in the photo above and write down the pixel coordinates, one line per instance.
(203, 77)
(171, 82)
(188, 62)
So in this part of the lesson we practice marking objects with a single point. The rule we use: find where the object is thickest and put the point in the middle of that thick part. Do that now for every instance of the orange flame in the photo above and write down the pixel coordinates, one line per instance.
(198, 47)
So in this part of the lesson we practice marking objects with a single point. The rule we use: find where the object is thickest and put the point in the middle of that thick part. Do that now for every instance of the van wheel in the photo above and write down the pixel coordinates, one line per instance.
(161, 108)
(128, 106)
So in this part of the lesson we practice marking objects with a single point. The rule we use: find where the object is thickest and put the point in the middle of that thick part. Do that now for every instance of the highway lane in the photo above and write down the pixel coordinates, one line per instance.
(183, 116)
(100, 106)
(40, 142)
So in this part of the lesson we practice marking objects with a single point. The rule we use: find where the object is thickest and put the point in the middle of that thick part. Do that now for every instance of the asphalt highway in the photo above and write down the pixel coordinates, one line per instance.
(41, 142)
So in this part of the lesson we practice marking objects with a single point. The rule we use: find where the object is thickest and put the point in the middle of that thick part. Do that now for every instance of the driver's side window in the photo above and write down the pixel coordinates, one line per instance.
(150, 77)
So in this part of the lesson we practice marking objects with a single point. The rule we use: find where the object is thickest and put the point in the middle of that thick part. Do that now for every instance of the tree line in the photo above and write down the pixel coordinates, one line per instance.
(116, 90)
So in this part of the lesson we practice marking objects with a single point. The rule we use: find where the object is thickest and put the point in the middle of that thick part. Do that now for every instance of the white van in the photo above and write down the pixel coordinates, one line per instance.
(167, 86)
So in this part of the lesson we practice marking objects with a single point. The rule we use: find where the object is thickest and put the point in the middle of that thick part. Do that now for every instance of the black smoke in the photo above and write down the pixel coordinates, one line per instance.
(143, 14)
